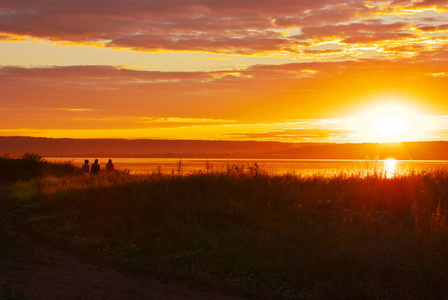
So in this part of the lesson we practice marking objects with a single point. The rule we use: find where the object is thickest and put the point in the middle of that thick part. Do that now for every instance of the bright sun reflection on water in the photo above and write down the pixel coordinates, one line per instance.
(390, 166)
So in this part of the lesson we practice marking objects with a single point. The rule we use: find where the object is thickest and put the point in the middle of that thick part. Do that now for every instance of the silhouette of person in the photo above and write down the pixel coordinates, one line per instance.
(95, 168)
(109, 166)
(85, 167)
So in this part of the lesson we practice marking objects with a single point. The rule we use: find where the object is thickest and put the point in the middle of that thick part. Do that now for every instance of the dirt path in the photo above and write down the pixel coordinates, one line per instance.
(49, 274)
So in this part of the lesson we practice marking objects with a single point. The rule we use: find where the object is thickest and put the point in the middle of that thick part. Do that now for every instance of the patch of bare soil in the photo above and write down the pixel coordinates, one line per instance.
(46, 273)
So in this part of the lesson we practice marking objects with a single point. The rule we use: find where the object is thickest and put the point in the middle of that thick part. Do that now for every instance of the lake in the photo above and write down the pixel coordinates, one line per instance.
(272, 166)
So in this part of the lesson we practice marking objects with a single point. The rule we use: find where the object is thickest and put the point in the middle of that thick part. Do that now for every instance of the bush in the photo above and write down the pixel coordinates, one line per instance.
(32, 165)
(32, 156)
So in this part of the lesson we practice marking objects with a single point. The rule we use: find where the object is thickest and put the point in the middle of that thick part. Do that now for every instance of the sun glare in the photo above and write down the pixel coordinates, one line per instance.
(391, 122)
(390, 167)
(390, 125)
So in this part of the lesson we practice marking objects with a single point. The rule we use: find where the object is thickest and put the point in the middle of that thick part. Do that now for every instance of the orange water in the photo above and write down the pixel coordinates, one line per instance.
(272, 166)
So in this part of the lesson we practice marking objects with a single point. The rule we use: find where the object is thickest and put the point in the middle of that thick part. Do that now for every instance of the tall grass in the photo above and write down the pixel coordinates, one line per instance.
(285, 237)
(32, 165)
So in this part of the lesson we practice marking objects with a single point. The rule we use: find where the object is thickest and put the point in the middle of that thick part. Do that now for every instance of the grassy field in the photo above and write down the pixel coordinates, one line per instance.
(280, 237)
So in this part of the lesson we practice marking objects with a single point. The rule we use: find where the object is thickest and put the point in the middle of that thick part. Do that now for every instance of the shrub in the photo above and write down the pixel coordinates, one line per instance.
(32, 165)
(32, 156)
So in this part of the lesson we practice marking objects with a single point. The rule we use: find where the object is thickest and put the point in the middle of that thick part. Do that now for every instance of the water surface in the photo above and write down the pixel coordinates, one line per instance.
(272, 166)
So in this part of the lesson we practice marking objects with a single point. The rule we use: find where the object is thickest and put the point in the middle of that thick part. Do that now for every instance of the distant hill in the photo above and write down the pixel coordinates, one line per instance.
(407, 150)
(137, 148)
(223, 149)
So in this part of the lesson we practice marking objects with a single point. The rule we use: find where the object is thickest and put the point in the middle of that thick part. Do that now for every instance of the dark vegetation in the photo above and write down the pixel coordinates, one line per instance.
(281, 237)
(32, 165)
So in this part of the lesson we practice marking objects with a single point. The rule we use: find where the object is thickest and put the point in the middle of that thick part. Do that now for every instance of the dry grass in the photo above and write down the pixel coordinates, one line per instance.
(285, 237)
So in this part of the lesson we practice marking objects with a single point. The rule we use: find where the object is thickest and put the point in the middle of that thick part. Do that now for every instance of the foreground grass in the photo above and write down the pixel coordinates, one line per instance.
(9, 292)
(285, 237)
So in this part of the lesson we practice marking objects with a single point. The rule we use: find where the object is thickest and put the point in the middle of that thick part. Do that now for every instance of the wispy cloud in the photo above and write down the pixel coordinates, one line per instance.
(298, 135)
(75, 109)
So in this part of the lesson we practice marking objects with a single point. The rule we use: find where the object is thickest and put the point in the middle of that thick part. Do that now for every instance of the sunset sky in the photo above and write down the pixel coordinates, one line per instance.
(284, 70)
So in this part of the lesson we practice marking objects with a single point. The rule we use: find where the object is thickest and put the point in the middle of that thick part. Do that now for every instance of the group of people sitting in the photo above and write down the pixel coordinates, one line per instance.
(95, 169)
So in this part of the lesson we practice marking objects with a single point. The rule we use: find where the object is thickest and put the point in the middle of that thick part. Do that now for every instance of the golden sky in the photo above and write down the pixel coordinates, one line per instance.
(286, 70)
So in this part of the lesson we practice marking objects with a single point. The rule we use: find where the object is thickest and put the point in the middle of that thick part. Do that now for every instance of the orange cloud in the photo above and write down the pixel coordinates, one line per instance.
(346, 54)
(358, 32)
(98, 96)
(244, 27)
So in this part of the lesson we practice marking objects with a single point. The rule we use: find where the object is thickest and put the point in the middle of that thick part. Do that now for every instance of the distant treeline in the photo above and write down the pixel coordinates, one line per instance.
(220, 149)
(137, 148)
(437, 150)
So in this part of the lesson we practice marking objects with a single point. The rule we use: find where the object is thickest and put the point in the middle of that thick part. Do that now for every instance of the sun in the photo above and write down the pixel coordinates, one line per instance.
(391, 121)
(390, 125)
